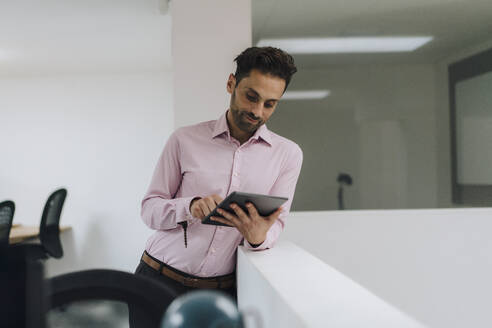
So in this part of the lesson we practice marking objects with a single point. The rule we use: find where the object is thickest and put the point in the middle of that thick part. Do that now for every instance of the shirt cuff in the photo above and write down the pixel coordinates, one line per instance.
(262, 246)
(185, 209)
(271, 237)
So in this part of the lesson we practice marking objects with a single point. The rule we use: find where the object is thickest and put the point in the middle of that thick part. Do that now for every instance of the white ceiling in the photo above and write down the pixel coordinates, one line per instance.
(92, 36)
(455, 24)
(84, 36)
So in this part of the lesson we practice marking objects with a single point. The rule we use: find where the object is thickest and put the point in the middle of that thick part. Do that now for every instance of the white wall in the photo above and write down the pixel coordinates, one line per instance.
(206, 37)
(98, 136)
(344, 133)
(434, 265)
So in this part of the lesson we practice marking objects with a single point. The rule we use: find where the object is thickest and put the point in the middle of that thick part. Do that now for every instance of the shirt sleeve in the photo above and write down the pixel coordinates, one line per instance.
(284, 186)
(160, 210)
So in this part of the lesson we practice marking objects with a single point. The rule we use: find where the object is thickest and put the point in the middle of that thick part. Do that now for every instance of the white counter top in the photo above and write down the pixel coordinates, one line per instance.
(291, 288)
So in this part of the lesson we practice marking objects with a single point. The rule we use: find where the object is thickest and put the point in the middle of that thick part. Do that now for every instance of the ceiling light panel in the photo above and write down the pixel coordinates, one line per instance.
(347, 45)
(307, 94)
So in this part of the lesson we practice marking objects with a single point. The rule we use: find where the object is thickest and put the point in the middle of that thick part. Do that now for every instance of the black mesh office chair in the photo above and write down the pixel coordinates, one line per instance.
(7, 209)
(49, 228)
(49, 231)
(86, 292)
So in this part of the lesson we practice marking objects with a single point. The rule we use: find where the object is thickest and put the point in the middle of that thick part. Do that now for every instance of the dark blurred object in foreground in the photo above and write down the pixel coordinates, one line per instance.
(22, 300)
(205, 309)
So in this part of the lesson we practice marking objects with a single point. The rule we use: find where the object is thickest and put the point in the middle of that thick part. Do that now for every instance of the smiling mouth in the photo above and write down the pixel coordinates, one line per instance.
(251, 120)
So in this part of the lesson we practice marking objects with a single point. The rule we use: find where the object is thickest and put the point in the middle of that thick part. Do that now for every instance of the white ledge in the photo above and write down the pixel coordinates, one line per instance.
(291, 288)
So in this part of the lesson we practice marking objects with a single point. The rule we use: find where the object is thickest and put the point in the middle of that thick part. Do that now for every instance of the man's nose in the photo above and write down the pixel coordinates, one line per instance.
(257, 109)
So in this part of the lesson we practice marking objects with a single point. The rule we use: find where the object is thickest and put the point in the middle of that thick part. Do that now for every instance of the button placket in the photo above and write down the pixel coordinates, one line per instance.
(235, 171)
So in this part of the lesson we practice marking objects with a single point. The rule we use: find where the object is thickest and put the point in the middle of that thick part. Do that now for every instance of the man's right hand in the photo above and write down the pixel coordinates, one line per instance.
(201, 207)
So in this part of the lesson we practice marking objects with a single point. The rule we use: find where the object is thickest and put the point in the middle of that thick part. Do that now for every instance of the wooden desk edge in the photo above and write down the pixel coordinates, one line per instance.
(21, 233)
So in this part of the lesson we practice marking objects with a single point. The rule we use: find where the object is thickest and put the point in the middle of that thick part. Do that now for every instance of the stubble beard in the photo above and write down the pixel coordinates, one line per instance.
(240, 118)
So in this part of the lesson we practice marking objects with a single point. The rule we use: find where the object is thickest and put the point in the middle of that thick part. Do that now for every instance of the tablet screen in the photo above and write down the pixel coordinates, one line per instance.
(265, 205)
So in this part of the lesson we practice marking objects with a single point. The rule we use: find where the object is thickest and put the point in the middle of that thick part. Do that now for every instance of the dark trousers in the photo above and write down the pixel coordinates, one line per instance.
(137, 317)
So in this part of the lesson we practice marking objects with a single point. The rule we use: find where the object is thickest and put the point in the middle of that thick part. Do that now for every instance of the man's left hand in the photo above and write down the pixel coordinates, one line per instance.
(251, 225)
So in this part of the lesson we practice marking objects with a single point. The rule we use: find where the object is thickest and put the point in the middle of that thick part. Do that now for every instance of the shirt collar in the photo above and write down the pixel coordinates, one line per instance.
(221, 127)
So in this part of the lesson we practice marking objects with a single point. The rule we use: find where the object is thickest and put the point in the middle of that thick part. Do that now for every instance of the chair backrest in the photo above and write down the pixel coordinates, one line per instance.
(7, 209)
(49, 228)
(98, 285)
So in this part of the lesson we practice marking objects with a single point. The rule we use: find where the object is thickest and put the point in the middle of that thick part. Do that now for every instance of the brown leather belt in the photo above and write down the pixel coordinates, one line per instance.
(222, 282)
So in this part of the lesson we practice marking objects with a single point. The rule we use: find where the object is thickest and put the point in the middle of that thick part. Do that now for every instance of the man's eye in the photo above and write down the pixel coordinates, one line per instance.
(268, 105)
(251, 98)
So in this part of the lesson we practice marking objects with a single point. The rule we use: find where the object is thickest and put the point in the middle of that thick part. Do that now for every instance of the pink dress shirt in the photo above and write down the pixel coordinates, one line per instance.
(204, 159)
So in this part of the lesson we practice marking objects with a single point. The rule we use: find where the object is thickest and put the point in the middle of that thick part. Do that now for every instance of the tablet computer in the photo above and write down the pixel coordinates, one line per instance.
(265, 205)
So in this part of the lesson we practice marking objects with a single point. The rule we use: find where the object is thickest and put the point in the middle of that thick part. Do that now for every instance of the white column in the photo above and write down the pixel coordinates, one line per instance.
(206, 37)
(383, 168)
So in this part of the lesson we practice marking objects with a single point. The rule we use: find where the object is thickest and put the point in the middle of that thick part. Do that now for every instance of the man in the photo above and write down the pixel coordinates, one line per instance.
(203, 163)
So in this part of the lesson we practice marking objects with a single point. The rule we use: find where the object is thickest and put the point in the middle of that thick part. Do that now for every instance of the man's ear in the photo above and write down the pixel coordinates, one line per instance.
(231, 83)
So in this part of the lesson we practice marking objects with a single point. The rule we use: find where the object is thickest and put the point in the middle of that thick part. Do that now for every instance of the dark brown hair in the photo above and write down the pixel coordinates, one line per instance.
(267, 60)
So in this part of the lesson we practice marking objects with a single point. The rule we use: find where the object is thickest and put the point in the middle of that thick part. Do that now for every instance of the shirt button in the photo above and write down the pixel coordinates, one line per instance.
(212, 250)
(235, 174)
